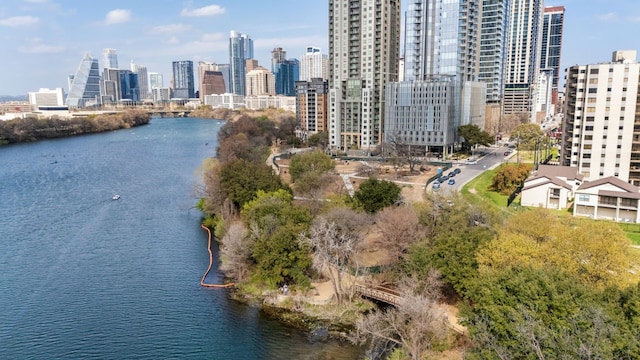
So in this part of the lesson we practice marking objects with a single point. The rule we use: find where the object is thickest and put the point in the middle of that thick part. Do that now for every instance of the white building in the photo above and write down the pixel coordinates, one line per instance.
(599, 127)
(544, 98)
(551, 187)
(314, 64)
(608, 198)
(47, 97)
(160, 94)
(227, 100)
(287, 103)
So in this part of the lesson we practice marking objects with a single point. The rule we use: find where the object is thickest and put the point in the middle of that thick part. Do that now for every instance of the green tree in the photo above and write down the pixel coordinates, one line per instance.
(274, 225)
(530, 313)
(374, 194)
(310, 162)
(526, 136)
(320, 139)
(241, 180)
(509, 177)
(473, 136)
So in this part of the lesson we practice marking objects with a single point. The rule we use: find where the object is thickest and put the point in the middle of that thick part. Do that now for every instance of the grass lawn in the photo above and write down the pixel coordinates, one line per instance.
(477, 191)
(632, 231)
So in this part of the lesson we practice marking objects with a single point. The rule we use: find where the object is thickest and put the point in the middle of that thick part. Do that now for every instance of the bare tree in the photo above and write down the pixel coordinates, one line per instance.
(400, 227)
(403, 152)
(416, 324)
(235, 251)
(334, 239)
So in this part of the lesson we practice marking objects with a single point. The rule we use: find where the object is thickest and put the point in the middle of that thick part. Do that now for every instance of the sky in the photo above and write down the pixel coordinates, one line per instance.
(43, 41)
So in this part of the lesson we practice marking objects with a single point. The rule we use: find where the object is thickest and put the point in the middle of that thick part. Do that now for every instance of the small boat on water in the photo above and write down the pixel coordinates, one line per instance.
(115, 197)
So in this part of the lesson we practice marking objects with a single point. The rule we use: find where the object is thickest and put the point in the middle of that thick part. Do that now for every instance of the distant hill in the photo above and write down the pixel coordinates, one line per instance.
(5, 98)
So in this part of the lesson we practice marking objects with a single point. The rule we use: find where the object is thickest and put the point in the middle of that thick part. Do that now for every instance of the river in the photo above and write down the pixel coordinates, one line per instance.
(84, 276)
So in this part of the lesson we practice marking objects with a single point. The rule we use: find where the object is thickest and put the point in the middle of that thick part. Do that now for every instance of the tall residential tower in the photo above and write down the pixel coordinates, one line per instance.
(183, 80)
(240, 49)
(364, 45)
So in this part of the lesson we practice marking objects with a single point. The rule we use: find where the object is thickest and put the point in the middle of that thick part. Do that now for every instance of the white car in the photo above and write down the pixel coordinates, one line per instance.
(470, 161)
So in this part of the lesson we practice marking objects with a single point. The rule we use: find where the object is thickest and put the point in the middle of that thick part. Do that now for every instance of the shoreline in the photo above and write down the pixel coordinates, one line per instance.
(202, 283)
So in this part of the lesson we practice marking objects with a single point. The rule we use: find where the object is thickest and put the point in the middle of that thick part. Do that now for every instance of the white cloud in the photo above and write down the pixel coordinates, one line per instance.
(117, 16)
(290, 43)
(18, 21)
(171, 28)
(173, 40)
(213, 37)
(608, 16)
(37, 1)
(210, 10)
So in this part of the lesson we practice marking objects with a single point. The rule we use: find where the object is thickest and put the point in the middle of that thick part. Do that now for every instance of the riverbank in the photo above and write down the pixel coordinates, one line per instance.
(234, 115)
(33, 129)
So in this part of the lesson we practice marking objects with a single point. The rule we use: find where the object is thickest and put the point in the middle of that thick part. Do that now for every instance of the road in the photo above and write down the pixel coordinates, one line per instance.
(488, 158)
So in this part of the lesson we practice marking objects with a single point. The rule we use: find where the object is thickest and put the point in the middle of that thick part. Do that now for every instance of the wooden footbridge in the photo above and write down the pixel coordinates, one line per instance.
(394, 297)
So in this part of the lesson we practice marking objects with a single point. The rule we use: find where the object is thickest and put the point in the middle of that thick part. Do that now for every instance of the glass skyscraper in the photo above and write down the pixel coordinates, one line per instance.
(84, 85)
(493, 38)
(183, 80)
(287, 72)
(109, 59)
(552, 25)
(240, 49)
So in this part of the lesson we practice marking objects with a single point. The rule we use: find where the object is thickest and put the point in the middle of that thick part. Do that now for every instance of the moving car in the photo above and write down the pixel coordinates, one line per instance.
(470, 161)
(435, 186)
(457, 171)
(451, 182)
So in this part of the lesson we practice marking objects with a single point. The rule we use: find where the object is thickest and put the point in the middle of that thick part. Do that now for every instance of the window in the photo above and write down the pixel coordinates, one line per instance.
(607, 200)
(583, 197)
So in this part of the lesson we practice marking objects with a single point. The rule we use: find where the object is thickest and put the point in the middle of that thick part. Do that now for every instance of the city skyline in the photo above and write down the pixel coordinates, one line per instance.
(154, 34)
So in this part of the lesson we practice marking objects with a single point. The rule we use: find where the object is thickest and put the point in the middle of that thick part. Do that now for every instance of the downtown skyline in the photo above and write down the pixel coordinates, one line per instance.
(156, 33)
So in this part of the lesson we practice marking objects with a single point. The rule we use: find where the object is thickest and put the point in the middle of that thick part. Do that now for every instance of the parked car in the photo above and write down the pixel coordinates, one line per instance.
(435, 186)
(507, 153)
(451, 182)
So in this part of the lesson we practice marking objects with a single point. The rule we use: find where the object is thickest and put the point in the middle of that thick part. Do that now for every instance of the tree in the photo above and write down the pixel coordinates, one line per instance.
(320, 139)
(526, 135)
(274, 225)
(313, 161)
(400, 228)
(509, 177)
(544, 313)
(235, 251)
(374, 194)
(239, 146)
(473, 136)
(334, 240)
(403, 152)
(597, 254)
(241, 180)
(416, 324)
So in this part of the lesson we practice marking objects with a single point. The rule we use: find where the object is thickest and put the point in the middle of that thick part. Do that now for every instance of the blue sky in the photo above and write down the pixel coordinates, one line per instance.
(43, 41)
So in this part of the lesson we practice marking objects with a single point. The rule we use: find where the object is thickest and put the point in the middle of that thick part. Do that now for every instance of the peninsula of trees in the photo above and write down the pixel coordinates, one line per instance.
(34, 129)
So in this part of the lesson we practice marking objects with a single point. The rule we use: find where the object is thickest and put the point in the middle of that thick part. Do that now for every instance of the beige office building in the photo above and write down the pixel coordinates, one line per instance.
(260, 81)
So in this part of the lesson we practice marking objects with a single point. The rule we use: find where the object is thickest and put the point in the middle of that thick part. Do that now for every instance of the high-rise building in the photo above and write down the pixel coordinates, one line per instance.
(109, 59)
(260, 81)
(84, 85)
(364, 45)
(287, 72)
(212, 84)
(183, 81)
(314, 64)
(600, 119)
(551, 48)
(311, 106)
(493, 45)
(143, 79)
(523, 56)
(129, 85)
(110, 86)
(224, 69)
(240, 49)
(441, 90)
(250, 64)
(155, 80)
(278, 55)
